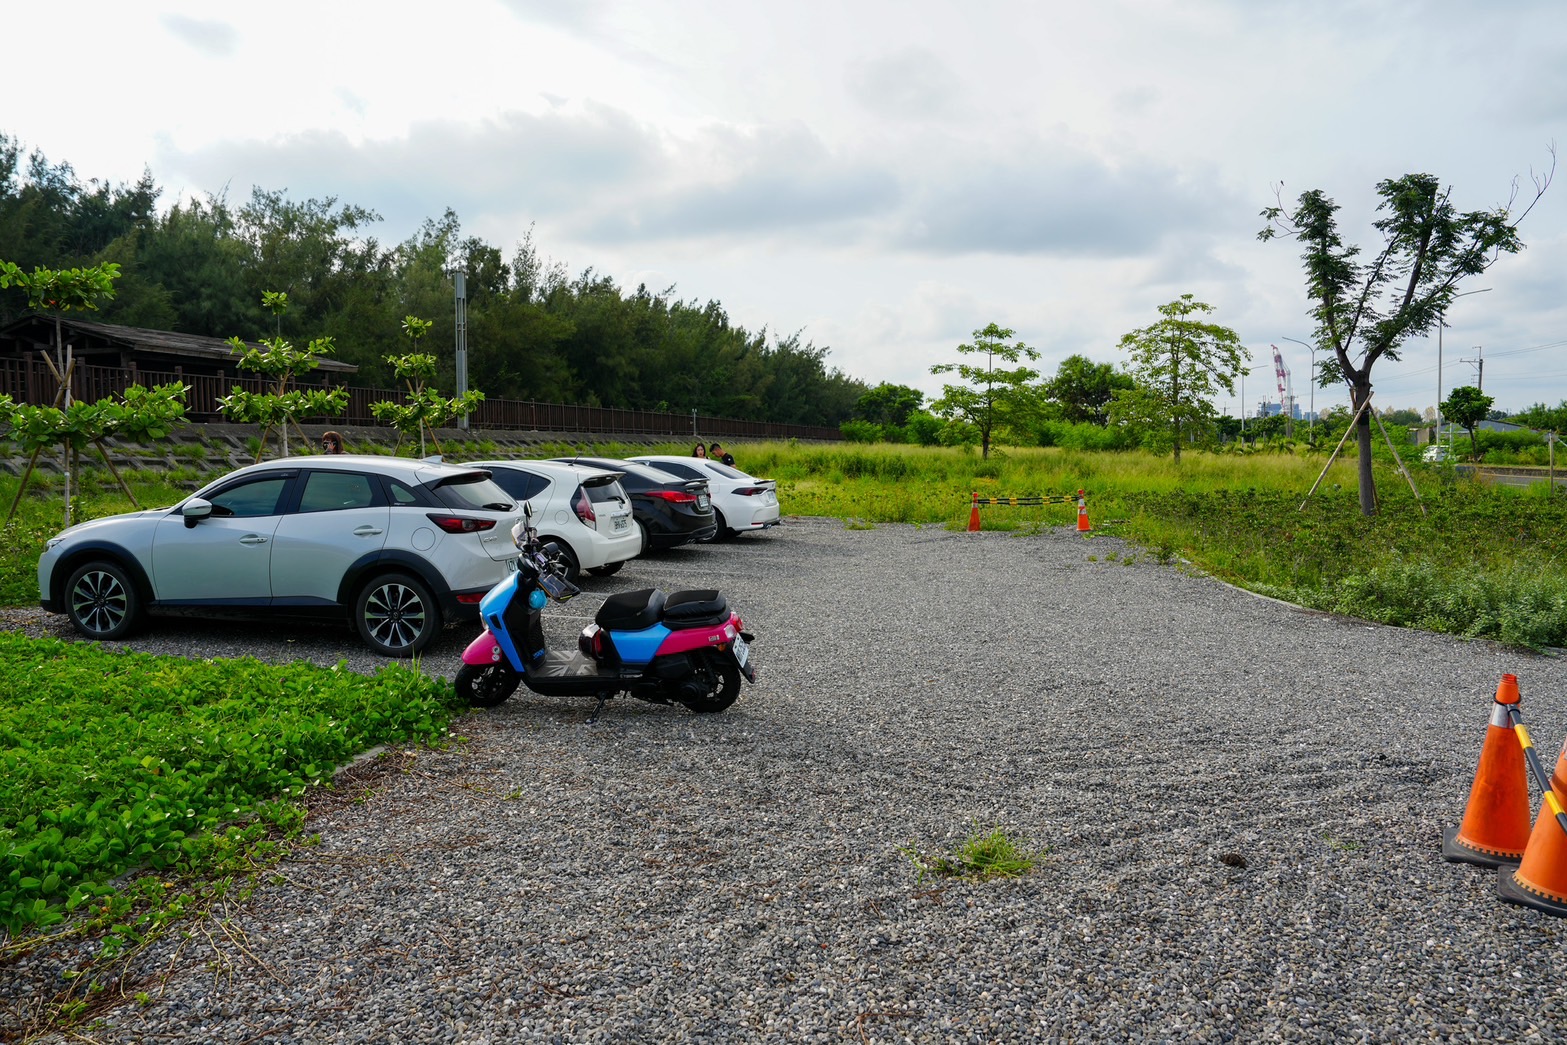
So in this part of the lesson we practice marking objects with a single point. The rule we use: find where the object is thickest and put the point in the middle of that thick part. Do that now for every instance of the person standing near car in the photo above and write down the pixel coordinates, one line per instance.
(331, 442)
(716, 452)
(699, 451)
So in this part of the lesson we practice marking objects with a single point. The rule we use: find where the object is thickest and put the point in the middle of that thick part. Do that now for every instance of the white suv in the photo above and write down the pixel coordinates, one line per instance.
(581, 508)
(398, 547)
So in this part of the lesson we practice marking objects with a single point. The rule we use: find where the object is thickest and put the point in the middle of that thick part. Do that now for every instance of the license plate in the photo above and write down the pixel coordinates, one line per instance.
(511, 565)
(742, 651)
(622, 524)
(701, 500)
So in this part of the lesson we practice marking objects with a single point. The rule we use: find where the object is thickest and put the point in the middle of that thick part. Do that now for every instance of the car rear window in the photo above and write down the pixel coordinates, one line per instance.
(726, 471)
(685, 471)
(600, 493)
(474, 492)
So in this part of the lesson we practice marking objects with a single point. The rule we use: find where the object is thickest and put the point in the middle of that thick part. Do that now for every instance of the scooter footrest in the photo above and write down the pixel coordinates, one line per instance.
(631, 610)
(687, 608)
(559, 664)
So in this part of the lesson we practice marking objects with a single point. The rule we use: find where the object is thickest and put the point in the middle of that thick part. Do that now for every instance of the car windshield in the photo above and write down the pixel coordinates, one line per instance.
(476, 490)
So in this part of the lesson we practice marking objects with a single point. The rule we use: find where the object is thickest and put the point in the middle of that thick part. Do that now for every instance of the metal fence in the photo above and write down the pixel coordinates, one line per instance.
(31, 381)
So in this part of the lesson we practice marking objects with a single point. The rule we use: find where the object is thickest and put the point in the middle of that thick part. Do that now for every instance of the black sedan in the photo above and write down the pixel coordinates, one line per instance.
(670, 511)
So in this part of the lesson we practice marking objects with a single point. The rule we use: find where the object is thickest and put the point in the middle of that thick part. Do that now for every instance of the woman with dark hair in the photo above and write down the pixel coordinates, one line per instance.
(699, 451)
(331, 442)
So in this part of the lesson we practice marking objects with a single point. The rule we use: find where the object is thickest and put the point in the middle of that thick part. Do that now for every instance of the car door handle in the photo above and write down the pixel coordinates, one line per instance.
(253, 538)
(368, 531)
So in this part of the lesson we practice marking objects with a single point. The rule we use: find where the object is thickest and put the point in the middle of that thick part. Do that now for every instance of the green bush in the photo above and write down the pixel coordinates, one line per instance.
(114, 762)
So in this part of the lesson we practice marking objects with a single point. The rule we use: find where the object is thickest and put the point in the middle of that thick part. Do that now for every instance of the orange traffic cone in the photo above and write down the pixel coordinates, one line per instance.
(1082, 513)
(973, 515)
(1496, 821)
(1540, 881)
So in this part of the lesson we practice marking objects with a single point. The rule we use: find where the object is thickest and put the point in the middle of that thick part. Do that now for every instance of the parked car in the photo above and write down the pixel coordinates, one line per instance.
(581, 508)
(669, 510)
(741, 502)
(397, 547)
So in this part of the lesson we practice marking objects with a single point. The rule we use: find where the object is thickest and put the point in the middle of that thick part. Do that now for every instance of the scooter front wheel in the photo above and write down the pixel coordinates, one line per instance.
(720, 677)
(486, 685)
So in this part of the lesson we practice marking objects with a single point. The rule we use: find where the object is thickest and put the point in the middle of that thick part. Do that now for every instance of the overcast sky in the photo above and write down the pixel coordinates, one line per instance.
(882, 178)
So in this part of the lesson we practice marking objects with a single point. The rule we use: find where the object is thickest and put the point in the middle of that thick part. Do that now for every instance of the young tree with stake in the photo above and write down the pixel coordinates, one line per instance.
(1366, 310)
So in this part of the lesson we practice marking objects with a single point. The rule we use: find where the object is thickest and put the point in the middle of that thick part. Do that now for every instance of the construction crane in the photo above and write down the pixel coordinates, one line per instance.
(1286, 400)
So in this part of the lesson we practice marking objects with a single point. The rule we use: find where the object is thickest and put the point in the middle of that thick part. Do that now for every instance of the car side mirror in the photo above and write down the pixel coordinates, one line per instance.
(194, 511)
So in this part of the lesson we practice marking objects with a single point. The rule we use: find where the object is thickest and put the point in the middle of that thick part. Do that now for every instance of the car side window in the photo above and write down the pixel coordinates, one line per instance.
(334, 491)
(250, 500)
(400, 494)
(522, 485)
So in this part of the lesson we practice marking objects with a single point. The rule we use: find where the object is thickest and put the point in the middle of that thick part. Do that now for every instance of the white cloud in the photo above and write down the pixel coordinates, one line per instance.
(885, 178)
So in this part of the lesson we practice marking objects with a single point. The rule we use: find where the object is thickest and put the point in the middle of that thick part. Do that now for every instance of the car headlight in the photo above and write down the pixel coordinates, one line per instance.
(52, 543)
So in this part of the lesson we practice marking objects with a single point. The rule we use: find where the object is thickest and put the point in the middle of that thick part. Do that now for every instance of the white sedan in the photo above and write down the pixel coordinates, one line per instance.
(741, 502)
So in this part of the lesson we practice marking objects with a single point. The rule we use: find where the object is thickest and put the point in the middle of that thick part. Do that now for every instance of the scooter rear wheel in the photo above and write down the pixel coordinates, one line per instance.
(722, 677)
(486, 685)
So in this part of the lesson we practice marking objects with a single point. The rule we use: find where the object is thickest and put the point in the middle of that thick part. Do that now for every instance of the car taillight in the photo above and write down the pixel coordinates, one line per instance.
(583, 507)
(462, 523)
(749, 491)
(673, 496)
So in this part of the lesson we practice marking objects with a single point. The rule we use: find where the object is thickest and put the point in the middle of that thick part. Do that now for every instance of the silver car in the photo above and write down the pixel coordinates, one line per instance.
(397, 547)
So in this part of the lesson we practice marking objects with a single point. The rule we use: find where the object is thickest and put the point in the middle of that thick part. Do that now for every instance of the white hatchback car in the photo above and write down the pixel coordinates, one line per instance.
(397, 547)
(741, 502)
(581, 508)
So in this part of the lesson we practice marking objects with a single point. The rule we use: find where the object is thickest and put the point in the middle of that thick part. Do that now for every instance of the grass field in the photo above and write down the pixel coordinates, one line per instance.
(196, 789)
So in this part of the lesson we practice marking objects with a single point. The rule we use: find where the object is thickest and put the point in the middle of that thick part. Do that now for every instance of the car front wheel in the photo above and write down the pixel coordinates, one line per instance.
(396, 615)
(101, 601)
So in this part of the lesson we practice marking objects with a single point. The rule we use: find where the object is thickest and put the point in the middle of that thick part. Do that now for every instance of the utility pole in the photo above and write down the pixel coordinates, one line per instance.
(461, 286)
(1479, 362)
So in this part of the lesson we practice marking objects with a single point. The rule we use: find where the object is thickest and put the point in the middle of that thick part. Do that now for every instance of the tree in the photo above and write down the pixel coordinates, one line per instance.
(1367, 310)
(278, 405)
(1468, 406)
(991, 396)
(1083, 389)
(1178, 365)
(889, 404)
(423, 409)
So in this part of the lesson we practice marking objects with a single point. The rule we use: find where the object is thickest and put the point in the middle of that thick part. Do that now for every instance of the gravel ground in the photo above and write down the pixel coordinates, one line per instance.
(1241, 802)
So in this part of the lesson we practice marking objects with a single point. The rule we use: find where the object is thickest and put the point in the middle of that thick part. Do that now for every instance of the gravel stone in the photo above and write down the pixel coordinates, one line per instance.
(1241, 805)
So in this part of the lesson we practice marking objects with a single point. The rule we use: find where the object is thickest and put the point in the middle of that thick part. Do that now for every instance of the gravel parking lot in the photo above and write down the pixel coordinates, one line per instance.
(1241, 805)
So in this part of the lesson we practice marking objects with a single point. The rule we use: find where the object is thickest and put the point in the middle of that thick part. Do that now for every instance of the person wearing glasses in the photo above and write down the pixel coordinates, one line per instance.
(331, 442)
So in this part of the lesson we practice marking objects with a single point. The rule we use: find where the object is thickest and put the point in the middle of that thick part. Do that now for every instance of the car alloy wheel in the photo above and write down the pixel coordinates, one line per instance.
(396, 616)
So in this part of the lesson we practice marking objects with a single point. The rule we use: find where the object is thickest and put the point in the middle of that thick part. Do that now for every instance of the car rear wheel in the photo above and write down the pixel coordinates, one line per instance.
(720, 529)
(609, 569)
(101, 601)
(396, 615)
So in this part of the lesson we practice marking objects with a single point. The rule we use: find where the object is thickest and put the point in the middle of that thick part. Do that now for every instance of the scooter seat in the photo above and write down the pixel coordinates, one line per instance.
(687, 608)
(631, 610)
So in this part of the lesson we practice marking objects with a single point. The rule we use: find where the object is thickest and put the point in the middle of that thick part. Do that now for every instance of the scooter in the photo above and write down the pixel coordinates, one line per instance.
(686, 648)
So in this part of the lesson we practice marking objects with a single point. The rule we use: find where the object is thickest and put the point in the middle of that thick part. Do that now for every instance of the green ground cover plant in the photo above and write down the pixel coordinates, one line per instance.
(112, 762)
(982, 856)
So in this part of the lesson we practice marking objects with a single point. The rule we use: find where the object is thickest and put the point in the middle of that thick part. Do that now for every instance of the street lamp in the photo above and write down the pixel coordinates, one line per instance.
(1313, 407)
(1441, 321)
